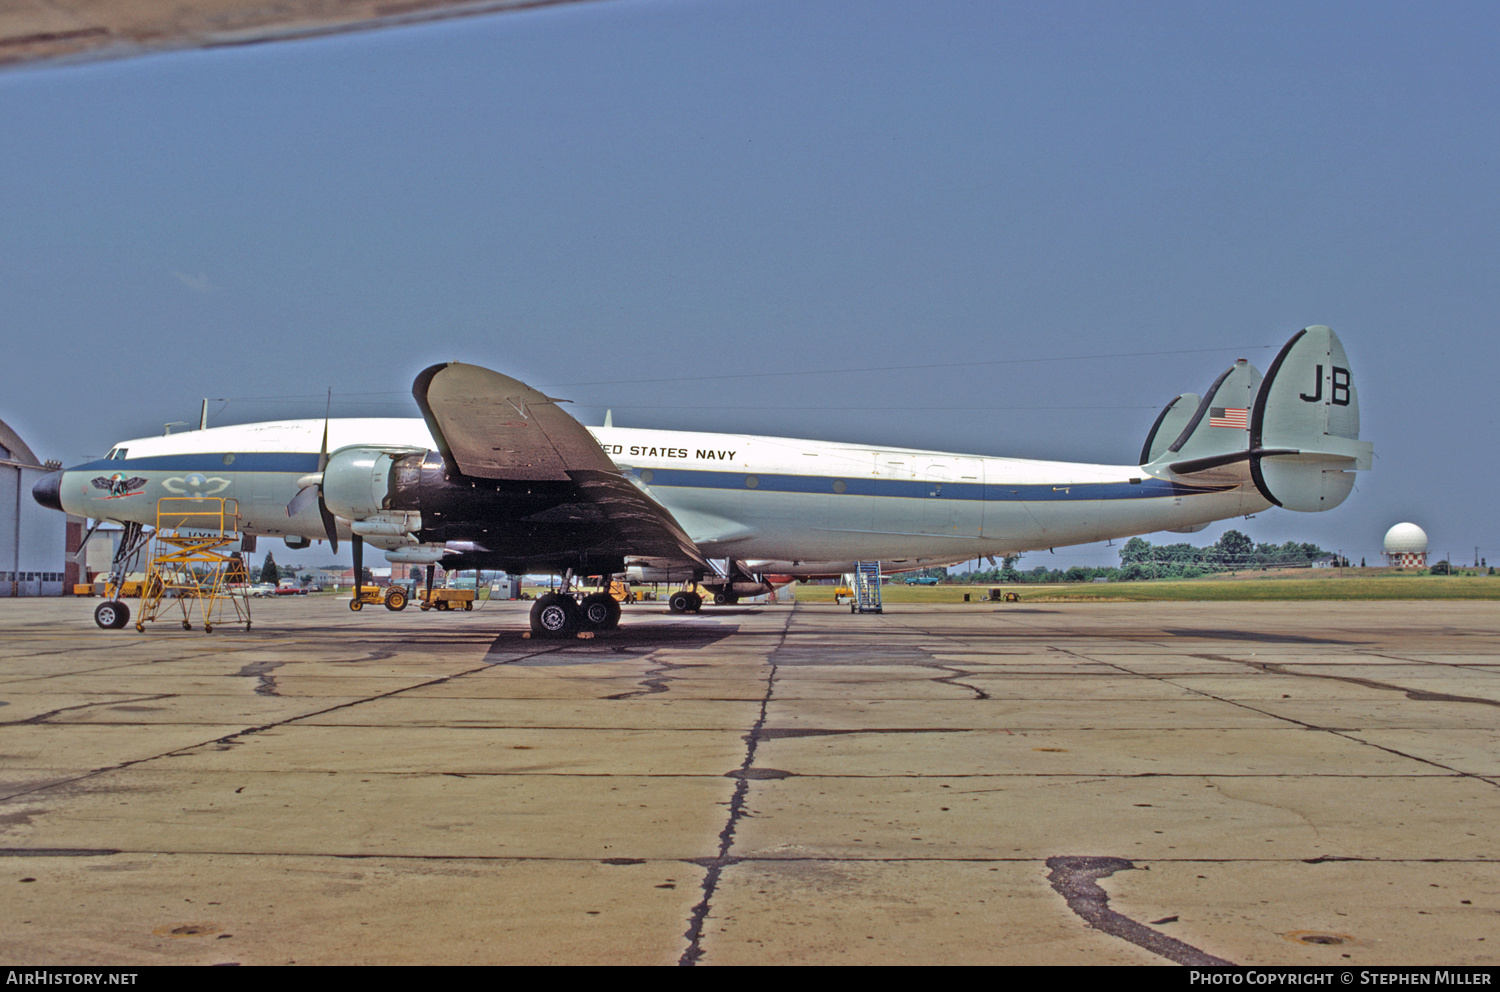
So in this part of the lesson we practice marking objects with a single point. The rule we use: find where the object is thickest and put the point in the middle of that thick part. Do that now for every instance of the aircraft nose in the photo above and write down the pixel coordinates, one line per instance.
(48, 490)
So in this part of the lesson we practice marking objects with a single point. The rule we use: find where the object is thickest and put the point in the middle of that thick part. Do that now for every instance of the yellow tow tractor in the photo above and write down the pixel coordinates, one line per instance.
(394, 598)
(619, 591)
(447, 599)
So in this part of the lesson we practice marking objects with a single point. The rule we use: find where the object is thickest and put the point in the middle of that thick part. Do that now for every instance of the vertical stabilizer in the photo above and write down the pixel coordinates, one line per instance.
(1169, 424)
(1304, 426)
(1216, 432)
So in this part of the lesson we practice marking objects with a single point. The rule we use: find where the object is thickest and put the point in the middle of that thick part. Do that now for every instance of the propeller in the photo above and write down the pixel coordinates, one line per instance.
(310, 487)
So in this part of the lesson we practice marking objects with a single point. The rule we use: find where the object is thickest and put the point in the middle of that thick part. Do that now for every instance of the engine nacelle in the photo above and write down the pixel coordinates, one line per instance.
(358, 482)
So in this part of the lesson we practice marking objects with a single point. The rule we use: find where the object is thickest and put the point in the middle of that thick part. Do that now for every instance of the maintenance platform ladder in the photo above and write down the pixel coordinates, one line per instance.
(867, 587)
(193, 572)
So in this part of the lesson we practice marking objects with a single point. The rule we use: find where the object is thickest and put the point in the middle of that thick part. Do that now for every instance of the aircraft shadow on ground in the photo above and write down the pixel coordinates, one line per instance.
(617, 645)
(1257, 636)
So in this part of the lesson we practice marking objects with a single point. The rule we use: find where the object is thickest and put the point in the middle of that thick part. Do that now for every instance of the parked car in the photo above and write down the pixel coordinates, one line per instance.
(262, 589)
(923, 580)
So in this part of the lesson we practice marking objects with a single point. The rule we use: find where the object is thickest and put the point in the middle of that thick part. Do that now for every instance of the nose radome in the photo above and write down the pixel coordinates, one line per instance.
(48, 490)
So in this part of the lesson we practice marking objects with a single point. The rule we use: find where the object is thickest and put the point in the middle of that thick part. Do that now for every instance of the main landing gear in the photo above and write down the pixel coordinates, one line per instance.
(685, 601)
(557, 614)
(563, 614)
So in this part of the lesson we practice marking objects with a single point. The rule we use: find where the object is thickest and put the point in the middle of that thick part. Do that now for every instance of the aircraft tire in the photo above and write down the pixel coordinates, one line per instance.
(112, 615)
(395, 600)
(554, 615)
(697, 603)
(600, 611)
(681, 602)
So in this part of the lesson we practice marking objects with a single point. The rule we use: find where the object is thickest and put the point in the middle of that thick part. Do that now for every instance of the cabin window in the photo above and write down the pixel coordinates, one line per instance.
(229, 458)
(647, 475)
(751, 482)
(839, 486)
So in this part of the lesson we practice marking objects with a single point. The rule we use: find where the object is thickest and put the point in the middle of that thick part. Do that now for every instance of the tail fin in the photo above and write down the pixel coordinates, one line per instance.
(1169, 424)
(1295, 433)
(1211, 432)
(1304, 427)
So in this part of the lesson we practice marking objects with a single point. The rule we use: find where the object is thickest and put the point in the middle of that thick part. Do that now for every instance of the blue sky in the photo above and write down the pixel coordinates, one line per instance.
(980, 199)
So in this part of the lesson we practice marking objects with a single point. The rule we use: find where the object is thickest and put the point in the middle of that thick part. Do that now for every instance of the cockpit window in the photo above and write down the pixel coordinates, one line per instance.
(116, 454)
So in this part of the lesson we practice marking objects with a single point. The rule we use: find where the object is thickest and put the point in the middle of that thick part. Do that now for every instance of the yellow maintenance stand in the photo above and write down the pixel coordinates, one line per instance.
(191, 570)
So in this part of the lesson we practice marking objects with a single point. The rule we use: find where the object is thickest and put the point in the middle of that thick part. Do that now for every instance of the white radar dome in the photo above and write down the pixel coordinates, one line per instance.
(1405, 539)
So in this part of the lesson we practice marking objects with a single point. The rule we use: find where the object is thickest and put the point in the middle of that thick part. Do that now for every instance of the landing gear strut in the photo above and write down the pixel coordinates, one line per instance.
(114, 614)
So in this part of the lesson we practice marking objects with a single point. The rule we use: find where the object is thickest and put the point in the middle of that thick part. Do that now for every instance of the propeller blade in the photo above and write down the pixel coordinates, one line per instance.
(323, 451)
(304, 498)
(330, 524)
(359, 565)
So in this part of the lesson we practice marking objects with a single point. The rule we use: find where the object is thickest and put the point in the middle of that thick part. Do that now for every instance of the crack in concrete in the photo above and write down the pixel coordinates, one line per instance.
(261, 670)
(44, 717)
(229, 739)
(1076, 879)
(957, 672)
(653, 680)
(745, 774)
(1419, 695)
(1346, 735)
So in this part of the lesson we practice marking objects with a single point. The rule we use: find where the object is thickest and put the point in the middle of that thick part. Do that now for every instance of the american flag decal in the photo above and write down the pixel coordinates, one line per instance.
(1229, 416)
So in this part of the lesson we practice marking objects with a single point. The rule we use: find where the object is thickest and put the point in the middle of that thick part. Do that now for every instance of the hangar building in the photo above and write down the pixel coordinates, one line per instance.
(33, 538)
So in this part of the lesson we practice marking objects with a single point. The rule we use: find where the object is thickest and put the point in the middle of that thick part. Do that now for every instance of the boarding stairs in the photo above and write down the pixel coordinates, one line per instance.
(866, 588)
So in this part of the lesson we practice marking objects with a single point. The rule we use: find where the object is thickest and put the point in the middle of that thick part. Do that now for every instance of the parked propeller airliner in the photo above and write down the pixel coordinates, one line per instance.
(497, 475)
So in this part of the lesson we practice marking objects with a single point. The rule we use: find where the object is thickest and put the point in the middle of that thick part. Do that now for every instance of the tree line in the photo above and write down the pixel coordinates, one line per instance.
(1141, 560)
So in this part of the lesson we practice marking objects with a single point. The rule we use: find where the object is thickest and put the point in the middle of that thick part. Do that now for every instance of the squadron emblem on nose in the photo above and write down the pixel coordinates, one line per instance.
(118, 485)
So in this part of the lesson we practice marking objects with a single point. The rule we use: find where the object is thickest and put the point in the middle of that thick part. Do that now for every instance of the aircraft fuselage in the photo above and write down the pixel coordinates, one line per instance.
(793, 505)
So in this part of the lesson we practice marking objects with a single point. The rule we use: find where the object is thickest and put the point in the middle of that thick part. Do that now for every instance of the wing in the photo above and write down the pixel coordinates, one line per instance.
(490, 426)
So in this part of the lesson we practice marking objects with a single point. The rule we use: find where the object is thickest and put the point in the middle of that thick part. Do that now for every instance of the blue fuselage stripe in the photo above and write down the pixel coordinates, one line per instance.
(1147, 488)
(301, 462)
(304, 462)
